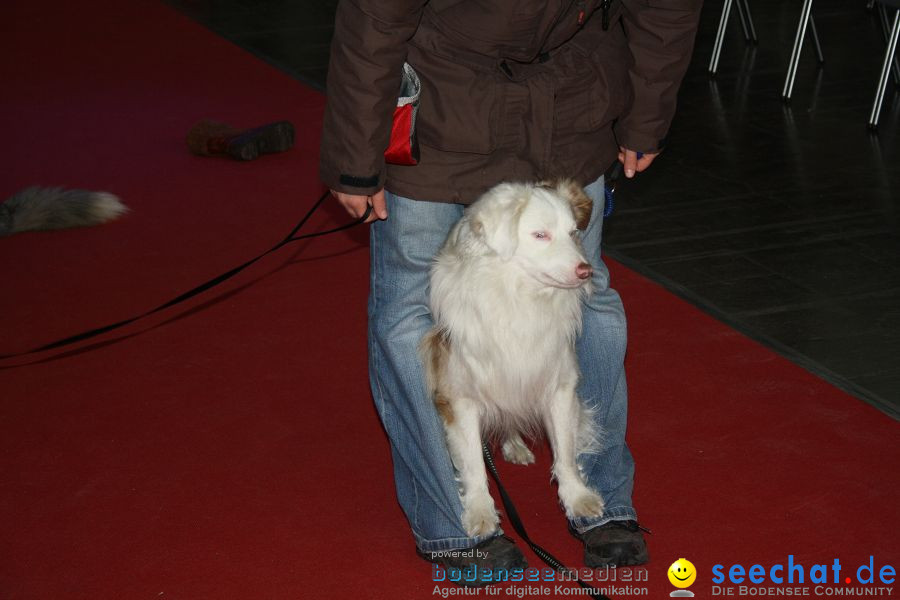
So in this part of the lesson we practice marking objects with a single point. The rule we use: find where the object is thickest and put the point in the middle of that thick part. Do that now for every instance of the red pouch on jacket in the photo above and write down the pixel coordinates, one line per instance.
(404, 148)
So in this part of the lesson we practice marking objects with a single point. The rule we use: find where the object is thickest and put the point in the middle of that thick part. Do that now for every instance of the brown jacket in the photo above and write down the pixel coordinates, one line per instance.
(511, 89)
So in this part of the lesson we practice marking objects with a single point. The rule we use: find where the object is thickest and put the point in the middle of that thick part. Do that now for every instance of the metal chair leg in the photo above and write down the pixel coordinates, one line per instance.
(885, 22)
(798, 47)
(753, 37)
(815, 36)
(720, 38)
(740, 10)
(885, 31)
(885, 71)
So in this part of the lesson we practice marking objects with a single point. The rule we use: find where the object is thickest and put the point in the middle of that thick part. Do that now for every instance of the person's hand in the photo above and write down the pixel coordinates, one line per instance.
(632, 163)
(356, 205)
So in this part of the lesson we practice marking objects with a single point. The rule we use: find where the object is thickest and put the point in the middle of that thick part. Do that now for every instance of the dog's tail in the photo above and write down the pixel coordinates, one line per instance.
(41, 208)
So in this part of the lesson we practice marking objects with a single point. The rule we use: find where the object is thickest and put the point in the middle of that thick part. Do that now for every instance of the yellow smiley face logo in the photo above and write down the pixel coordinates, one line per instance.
(682, 573)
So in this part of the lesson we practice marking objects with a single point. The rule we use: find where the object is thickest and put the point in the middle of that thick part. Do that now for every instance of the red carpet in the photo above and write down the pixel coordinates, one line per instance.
(234, 452)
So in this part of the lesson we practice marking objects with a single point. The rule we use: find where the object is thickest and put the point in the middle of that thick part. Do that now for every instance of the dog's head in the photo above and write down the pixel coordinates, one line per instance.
(536, 227)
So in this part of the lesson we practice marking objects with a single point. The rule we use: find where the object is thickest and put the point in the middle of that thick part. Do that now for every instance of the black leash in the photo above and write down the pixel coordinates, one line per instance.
(511, 511)
(513, 515)
(85, 335)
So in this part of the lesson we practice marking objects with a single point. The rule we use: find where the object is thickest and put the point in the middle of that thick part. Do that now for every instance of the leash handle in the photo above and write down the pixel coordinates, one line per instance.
(513, 515)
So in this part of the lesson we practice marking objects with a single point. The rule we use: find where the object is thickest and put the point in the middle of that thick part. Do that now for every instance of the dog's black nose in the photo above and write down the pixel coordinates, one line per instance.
(583, 271)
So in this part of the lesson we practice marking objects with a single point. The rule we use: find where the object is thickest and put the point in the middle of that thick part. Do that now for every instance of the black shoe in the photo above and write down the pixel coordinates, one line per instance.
(618, 543)
(274, 137)
(497, 553)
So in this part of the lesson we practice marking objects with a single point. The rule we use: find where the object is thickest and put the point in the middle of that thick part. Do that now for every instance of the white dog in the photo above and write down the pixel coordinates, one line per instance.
(506, 293)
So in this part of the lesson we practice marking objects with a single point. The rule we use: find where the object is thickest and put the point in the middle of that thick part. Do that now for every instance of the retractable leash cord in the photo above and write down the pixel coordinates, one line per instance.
(610, 182)
(609, 189)
(612, 177)
(85, 335)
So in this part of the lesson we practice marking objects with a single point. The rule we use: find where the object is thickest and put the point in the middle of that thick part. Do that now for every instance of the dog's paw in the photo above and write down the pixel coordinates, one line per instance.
(585, 503)
(480, 517)
(516, 452)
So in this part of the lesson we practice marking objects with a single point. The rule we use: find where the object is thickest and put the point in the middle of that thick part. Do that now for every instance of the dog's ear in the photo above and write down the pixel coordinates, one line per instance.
(496, 224)
(579, 201)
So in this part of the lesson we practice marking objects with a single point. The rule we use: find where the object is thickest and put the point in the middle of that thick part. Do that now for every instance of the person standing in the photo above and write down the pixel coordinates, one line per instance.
(521, 90)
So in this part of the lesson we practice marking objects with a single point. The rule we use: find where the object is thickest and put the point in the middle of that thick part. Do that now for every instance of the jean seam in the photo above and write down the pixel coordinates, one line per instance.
(415, 487)
(454, 543)
(617, 513)
(375, 355)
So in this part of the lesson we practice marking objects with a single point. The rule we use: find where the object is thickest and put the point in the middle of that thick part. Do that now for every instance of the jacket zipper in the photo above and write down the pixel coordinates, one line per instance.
(604, 6)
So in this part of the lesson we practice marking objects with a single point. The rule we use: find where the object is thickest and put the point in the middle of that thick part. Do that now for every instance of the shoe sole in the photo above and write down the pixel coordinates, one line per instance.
(595, 561)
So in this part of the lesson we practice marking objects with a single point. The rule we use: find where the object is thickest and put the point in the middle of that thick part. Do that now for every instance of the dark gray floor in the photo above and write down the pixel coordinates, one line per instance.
(781, 221)
(293, 35)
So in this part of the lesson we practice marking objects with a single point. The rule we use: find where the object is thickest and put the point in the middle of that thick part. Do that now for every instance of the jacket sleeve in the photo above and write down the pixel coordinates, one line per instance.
(364, 76)
(660, 37)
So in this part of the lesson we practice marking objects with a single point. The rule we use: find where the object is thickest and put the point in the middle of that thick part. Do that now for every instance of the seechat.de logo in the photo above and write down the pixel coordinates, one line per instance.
(682, 574)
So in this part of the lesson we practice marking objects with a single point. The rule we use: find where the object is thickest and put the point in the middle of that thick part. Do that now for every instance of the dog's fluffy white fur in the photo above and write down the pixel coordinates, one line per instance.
(506, 292)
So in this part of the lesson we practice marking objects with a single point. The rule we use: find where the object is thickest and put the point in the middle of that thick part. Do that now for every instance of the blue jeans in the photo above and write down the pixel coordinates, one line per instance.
(402, 248)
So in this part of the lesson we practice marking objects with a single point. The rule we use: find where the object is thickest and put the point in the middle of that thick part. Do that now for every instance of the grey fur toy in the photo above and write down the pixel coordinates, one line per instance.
(41, 208)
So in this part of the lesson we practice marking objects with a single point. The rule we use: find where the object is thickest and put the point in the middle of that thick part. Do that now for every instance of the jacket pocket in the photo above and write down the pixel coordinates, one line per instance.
(593, 100)
(596, 88)
(458, 107)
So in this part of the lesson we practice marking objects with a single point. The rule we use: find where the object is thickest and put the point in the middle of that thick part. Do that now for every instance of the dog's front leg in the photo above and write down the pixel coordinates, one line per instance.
(464, 441)
(563, 424)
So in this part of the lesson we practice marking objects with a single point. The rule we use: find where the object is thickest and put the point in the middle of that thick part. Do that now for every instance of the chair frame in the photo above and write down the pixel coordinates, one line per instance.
(743, 10)
(886, 67)
(806, 21)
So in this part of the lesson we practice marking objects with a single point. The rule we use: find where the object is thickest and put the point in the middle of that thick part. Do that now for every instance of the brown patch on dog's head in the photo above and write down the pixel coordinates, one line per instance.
(579, 201)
